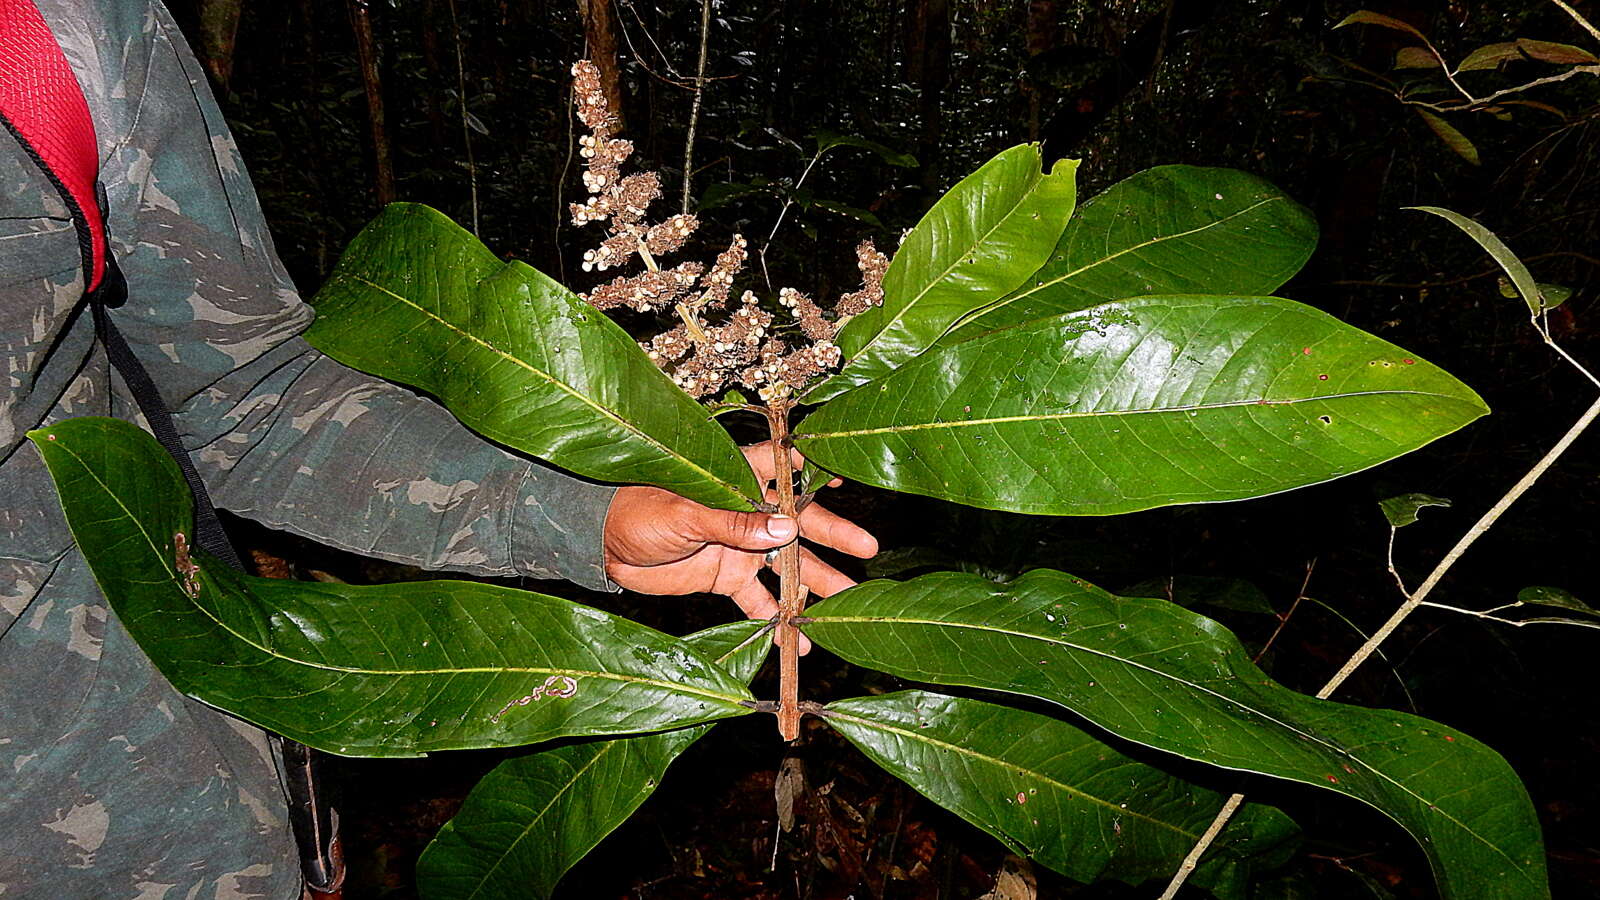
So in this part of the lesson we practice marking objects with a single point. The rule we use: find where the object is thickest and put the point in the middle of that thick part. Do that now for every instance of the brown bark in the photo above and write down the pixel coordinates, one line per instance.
(430, 58)
(1042, 35)
(600, 41)
(927, 66)
(367, 50)
(219, 32)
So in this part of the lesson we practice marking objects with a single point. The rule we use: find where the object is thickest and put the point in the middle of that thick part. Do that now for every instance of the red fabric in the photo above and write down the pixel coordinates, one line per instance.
(44, 106)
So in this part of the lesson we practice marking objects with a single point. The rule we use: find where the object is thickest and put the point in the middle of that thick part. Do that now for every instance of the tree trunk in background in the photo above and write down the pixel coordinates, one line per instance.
(600, 39)
(927, 43)
(1042, 35)
(219, 30)
(367, 50)
(436, 76)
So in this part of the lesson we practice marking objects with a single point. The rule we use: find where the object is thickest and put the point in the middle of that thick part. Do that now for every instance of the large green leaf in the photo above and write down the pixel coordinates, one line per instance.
(390, 670)
(532, 818)
(1167, 230)
(519, 358)
(978, 242)
(1051, 792)
(1155, 674)
(1140, 403)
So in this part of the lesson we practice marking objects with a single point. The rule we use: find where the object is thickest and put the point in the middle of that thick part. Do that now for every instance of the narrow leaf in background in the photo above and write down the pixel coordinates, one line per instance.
(1139, 404)
(390, 670)
(519, 359)
(1054, 794)
(1153, 673)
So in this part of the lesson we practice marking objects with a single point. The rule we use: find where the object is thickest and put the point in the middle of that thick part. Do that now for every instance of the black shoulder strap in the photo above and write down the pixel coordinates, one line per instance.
(113, 292)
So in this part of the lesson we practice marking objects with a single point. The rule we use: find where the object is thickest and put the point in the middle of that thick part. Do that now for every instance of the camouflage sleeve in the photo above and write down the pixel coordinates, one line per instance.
(281, 433)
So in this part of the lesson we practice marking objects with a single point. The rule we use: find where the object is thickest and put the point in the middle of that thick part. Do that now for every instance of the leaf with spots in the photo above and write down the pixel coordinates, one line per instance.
(1140, 403)
(531, 818)
(389, 670)
(1155, 674)
(519, 359)
(1051, 792)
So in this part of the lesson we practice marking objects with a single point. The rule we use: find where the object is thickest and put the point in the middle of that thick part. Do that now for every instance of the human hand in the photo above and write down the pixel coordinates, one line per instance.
(659, 543)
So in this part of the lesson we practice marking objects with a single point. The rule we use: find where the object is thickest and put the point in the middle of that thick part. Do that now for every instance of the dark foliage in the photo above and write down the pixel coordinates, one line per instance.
(1260, 85)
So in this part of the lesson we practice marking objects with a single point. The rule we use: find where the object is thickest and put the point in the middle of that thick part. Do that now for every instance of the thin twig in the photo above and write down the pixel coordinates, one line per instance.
(1587, 26)
(694, 110)
(1475, 104)
(788, 202)
(466, 131)
(1283, 620)
(1201, 846)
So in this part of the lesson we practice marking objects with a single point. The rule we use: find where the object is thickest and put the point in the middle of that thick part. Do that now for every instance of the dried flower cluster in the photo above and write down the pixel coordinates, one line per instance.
(700, 357)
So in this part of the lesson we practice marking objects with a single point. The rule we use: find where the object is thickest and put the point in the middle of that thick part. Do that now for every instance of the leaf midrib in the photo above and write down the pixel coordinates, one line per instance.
(604, 411)
(830, 713)
(1006, 301)
(1348, 754)
(1090, 414)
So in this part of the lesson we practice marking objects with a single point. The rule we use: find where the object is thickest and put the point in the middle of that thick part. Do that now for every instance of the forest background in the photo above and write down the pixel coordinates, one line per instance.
(340, 107)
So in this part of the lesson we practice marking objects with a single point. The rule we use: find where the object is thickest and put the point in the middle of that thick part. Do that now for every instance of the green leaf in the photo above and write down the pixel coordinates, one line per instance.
(1415, 58)
(1201, 590)
(1155, 674)
(1054, 794)
(1367, 17)
(519, 359)
(1167, 230)
(978, 242)
(533, 817)
(828, 140)
(1488, 240)
(392, 670)
(1452, 138)
(1138, 404)
(1402, 510)
(1553, 295)
(723, 193)
(1490, 56)
(1556, 597)
(849, 212)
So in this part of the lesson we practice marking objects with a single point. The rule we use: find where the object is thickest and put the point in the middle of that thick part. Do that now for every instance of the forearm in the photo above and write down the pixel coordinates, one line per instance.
(317, 449)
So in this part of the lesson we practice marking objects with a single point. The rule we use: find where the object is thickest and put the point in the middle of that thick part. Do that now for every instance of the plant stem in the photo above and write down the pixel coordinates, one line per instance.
(1413, 601)
(791, 593)
(694, 111)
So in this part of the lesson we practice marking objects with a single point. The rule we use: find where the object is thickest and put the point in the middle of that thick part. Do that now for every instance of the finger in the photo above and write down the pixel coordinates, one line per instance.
(822, 526)
(822, 579)
(759, 456)
(755, 600)
(740, 530)
(757, 603)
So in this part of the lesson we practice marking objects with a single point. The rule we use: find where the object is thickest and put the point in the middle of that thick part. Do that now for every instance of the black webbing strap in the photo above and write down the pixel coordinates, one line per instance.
(113, 292)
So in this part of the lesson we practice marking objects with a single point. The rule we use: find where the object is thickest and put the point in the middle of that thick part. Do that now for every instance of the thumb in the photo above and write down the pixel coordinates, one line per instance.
(743, 530)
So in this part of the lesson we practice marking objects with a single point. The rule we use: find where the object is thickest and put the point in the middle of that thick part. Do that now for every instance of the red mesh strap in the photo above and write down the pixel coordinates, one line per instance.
(43, 106)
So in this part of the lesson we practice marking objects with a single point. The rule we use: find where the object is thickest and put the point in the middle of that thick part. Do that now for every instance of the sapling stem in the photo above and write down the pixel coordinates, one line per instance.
(791, 593)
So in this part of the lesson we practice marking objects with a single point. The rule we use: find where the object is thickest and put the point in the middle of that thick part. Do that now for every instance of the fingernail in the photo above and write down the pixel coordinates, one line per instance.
(781, 527)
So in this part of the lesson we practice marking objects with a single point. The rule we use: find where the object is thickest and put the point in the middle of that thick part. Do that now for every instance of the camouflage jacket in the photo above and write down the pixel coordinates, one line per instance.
(112, 785)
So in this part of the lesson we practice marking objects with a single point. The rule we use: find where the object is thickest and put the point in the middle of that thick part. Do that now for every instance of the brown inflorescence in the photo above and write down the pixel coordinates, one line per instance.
(700, 357)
